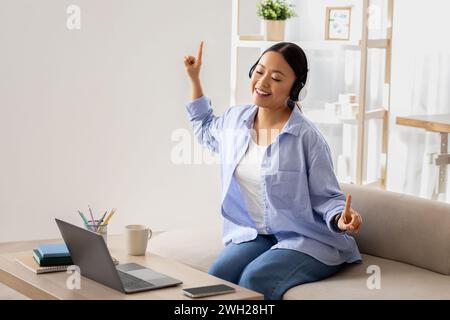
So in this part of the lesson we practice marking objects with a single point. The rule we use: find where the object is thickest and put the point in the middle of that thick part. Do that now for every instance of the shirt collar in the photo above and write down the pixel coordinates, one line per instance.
(292, 126)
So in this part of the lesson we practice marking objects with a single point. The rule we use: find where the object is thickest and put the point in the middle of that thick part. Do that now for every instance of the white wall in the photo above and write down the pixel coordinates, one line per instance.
(86, 116)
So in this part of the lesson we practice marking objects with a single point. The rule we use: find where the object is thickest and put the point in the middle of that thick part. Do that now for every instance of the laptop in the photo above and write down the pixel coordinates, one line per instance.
(90, 253)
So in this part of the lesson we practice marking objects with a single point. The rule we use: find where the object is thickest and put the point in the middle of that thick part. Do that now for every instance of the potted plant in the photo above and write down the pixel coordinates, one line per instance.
(274, 14)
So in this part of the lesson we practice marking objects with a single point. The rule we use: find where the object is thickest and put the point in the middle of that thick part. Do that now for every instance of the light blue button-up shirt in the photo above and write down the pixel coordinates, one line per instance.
(301, 194)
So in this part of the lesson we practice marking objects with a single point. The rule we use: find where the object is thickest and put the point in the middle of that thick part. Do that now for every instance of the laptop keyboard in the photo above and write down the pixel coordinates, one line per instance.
(130, 282)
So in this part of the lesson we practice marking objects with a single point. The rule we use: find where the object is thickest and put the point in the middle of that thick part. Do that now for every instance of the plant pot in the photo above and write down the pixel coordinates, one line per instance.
(273, 30)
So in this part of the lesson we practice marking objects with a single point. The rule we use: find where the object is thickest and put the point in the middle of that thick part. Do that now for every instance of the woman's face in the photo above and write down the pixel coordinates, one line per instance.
(272, 76)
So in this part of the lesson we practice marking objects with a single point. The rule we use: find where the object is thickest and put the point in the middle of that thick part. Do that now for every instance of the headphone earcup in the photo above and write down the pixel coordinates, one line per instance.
(302, 94)
(297, 94)
(252, 69)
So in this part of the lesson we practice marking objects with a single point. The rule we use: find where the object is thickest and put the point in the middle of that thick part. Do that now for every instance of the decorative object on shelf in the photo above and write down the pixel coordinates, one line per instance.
(346, 108)
(333, 109)
(337, 24)
(348, 98)
(350, 111)
(274, 14)
(252, 37)
(349, 105)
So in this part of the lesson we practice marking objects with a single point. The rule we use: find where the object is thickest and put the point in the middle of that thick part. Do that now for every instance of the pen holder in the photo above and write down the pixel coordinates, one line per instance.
(101, 230)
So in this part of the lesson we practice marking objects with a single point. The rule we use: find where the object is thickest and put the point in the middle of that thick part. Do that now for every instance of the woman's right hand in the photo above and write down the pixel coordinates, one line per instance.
(193, 64)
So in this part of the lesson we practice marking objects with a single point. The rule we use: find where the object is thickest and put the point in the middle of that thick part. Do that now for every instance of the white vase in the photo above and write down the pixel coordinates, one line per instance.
(273, 30)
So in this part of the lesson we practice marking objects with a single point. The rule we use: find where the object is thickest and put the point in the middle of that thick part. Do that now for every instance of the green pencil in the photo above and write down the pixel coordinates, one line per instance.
(83, 217)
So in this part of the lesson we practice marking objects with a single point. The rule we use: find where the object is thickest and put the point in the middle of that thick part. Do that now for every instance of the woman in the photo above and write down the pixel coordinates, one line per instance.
(285, 218)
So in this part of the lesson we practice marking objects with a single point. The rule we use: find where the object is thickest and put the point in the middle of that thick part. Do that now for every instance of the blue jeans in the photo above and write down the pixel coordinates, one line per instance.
(270, 272)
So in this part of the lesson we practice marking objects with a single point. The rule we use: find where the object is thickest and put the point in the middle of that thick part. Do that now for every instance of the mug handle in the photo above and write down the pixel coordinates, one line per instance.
(150, 233)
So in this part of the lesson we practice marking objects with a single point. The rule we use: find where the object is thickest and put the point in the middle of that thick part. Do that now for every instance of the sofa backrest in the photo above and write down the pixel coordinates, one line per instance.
(402, 227)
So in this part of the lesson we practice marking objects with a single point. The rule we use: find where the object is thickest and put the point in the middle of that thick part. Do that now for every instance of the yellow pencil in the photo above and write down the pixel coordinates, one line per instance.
(109, 216)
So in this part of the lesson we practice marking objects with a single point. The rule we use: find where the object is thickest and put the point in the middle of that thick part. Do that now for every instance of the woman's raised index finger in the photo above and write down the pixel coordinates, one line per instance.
(346, 214)
(200, 51)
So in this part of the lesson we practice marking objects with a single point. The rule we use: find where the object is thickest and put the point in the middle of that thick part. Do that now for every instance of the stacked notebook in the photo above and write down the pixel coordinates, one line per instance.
(52, 255)
(49, 258)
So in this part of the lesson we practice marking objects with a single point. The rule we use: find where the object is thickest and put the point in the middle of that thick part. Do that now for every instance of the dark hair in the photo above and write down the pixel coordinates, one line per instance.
(296, 58)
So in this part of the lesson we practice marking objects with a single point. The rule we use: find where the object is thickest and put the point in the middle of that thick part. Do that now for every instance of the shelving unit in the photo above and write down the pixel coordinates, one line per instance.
(363, 46)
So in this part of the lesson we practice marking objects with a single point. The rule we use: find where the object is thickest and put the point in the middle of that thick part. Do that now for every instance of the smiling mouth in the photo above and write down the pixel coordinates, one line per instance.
(262, 93)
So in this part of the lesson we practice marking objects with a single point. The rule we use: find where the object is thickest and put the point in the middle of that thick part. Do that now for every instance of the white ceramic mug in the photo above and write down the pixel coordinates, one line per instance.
(137, 236)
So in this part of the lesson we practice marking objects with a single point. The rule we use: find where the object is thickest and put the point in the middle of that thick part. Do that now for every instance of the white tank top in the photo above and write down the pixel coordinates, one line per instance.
(248, 175)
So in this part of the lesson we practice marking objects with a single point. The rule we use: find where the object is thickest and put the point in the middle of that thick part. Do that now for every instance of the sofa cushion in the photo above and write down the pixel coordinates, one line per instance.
(196, 247)
(403, 228)
(397, 281)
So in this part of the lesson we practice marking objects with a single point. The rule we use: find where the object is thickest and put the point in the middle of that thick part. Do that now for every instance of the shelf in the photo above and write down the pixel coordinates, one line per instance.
(307, 45)
(321, 116)
(325, 117)
(378, 43)
(318, 45)
(376, 114)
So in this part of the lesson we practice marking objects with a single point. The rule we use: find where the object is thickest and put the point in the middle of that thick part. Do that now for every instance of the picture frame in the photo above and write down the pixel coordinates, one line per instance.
(338, 23)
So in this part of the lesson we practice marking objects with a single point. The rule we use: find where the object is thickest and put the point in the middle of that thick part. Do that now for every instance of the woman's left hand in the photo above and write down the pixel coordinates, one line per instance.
(350, 220)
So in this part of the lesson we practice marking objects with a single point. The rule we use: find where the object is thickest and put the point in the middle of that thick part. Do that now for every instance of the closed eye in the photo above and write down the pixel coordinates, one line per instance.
(272, 78)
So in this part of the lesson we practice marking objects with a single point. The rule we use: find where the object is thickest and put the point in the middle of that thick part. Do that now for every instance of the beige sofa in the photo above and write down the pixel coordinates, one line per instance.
(407, 237)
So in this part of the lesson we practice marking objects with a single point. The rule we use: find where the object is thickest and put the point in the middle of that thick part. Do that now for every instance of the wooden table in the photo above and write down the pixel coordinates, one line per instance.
(53, 285)
(439, 124)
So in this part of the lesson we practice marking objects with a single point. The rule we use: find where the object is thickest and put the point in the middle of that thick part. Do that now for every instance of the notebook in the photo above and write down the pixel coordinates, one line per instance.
(53, 250)
(28, 262)
(58, 261)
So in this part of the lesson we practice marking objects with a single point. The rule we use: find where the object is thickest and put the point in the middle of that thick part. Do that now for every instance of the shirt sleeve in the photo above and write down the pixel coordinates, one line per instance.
(327, 199)
(205, 124)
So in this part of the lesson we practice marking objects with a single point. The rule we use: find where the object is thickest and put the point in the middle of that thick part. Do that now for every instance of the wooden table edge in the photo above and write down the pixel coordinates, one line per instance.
(424, 124)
